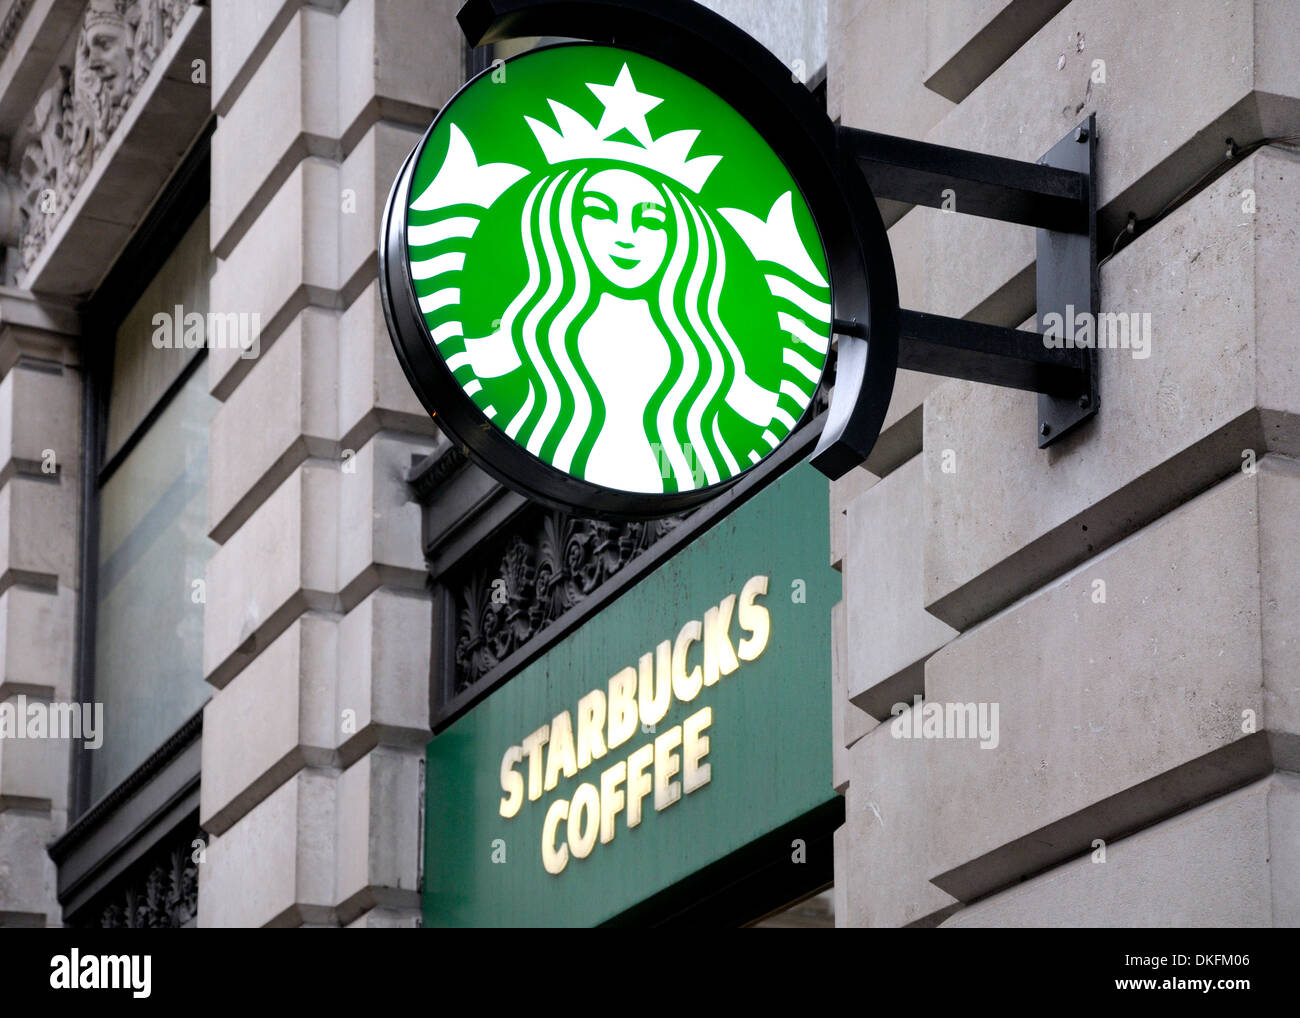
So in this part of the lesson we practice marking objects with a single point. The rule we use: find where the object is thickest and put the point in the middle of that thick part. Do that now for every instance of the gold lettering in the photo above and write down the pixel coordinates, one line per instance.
(686, 685)
(655, 685)
(695, 746)
(591, 721)
(582, 836)
(667, 764)
(754, 619)
(638, 781)
(611, 799)
(559, 752)
(554, 860)
(719, 654)
(512, 782)
(622, 707)
(532, 745)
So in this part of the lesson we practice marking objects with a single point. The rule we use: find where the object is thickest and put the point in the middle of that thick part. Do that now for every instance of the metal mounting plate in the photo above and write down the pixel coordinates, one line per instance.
(1067, 285)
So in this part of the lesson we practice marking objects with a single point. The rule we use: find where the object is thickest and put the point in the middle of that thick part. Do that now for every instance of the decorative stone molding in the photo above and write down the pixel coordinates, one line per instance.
(441, 464)
(11, 213)
(13, 21)
(74, 118)
(546, 567)
(161, 893)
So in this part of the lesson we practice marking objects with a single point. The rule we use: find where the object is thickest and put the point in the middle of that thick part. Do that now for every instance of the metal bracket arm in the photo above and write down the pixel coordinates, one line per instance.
(1014, 191)
(1054, 195)
(993, 354)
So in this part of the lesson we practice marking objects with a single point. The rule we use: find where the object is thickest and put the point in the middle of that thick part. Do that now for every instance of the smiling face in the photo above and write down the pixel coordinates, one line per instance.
(107, 55)
(624, 227)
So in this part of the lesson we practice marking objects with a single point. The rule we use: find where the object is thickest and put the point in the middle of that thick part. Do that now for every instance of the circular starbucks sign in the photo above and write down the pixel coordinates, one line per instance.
(604, 283)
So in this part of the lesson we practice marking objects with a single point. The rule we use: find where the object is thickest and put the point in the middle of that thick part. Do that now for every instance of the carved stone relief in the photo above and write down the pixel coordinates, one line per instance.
(546, 567)
(161, 892)
(74, 118)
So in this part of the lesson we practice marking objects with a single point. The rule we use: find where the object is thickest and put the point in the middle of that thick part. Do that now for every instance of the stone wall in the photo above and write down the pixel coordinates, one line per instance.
(1126, 597)
(40, 506)
(318, 624)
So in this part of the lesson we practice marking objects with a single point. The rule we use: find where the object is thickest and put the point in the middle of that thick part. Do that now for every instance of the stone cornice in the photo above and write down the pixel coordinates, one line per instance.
(37, 331)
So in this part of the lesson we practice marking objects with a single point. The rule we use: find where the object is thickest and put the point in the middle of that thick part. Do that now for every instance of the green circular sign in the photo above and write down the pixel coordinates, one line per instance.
(617, 270)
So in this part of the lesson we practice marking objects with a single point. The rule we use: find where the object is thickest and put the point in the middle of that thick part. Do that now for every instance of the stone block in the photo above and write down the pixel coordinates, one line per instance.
(275, 867)
(387, 919)
(1216, 866)
(373, 390)
(901, 435)
(398, 60)
(901, 431)
(907, 243)
(840, 891)
(794, 33)
(287, 110)
(28, 877)
(379, 519)
(379, 836)
(292, 392)
(384, 648)
(843, 492)
(287, 259)
(275, 717)
(280, 563)
(967, 40)
(36, 656)
(1012, 515)
(1162, 121)
(875, 60)
(1130, 688)
(241, 36)
(848, 721)
(888, 849)
(40, 423)
(38, 533)
(34, 771)
(884, 599)
(365, 178)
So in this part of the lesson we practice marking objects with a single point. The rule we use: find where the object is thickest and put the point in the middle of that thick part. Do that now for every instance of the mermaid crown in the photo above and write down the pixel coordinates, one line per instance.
(625, 110)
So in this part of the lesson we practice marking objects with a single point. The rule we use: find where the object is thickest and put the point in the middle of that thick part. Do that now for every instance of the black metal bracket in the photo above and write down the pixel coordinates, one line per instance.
(1056, 196)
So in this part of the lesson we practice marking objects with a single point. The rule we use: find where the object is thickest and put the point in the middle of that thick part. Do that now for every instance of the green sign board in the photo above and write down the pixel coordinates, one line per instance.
(613, 272)
(686, 720)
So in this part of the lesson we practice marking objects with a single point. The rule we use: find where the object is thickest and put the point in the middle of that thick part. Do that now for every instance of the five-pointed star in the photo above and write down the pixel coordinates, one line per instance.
(624, 107)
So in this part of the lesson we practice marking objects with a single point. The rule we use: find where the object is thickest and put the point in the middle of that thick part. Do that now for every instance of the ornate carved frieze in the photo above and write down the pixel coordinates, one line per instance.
(160, 893)
(72, 121)
(545, 568)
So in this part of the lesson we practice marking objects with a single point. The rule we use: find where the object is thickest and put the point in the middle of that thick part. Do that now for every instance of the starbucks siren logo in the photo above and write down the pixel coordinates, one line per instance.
(638, 317)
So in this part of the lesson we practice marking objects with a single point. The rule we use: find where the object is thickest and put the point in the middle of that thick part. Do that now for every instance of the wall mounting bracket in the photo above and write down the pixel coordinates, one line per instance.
(1054, 195)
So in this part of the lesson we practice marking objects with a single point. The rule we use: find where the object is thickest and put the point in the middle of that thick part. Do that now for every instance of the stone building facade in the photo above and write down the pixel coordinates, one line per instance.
(228, 541)
(1126, 597)
(310, 657)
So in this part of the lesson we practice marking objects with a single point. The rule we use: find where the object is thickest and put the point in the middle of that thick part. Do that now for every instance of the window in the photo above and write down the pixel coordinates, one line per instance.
(148, 522)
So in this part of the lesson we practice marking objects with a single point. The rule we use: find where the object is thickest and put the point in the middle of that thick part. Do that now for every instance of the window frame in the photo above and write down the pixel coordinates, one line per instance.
(179, 204)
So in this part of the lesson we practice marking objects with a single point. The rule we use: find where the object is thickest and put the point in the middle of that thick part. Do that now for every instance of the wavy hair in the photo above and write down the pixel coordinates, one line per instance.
(562, 414)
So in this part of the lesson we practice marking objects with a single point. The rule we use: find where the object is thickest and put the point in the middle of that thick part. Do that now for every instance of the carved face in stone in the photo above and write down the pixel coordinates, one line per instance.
(106, 55)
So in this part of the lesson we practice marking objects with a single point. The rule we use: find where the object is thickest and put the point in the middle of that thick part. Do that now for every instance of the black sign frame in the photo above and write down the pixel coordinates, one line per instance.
(745, 74)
